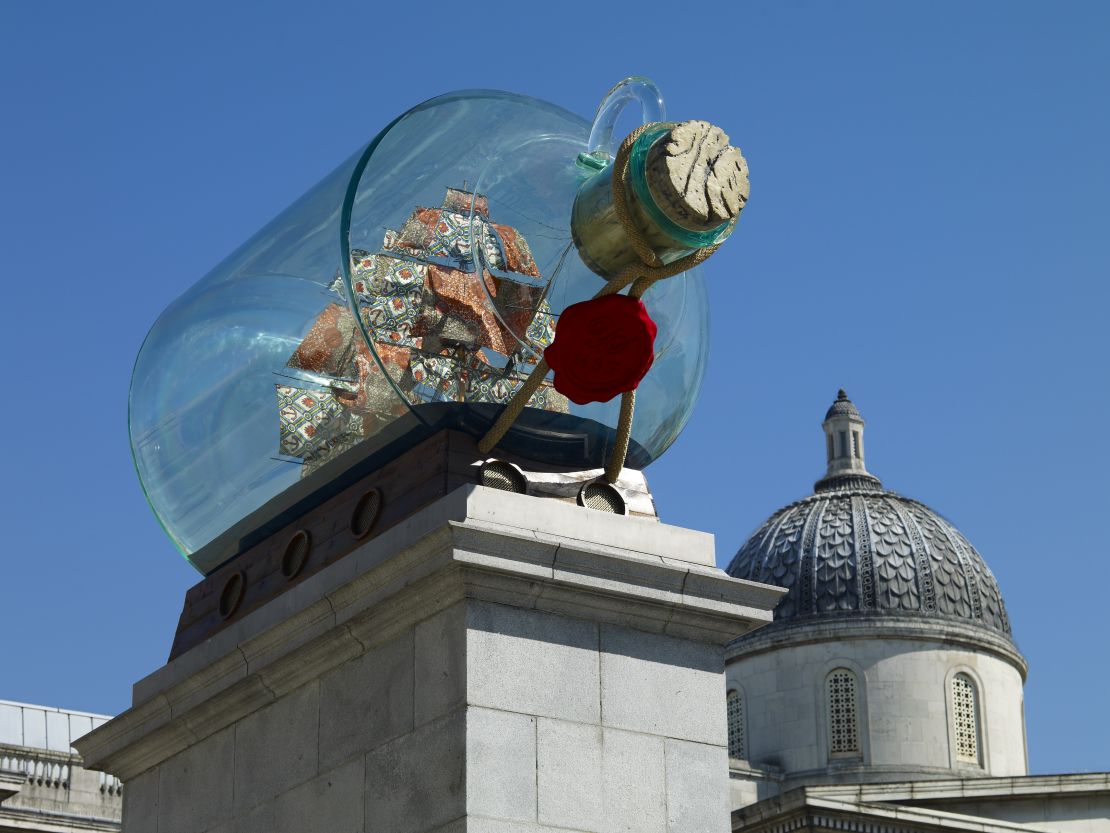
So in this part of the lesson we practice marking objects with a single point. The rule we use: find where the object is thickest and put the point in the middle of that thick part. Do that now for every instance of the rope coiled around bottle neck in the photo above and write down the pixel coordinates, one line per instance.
(640, 276)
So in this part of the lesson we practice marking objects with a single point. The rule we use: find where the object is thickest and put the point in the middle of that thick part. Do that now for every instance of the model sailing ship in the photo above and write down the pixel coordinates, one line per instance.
(448, 324)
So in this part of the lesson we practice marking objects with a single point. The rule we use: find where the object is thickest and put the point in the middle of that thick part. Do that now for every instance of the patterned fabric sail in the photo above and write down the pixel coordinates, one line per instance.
(446, 325)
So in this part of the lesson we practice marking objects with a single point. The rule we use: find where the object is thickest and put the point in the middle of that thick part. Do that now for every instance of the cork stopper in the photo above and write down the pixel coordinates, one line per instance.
(696, 177)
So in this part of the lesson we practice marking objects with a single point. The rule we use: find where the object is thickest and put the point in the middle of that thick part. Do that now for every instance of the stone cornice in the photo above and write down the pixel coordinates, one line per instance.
(975, 789)
(839, 627)
(810, 808)
(475, 543)
(10, 783)
(41, 821)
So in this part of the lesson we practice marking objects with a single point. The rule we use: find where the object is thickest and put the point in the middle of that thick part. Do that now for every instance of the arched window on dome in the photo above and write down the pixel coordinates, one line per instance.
(843, 710)
(736, 734)
(964, 702)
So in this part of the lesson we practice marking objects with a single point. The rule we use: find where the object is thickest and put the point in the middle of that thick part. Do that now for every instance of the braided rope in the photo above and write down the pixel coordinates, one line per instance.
(641, 276)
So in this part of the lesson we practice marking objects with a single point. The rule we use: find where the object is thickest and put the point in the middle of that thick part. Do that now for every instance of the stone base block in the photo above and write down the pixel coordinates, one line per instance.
(479, 672)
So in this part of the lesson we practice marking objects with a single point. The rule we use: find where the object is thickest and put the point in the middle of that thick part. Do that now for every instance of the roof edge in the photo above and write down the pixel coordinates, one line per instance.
(840, 626)
(970, 789)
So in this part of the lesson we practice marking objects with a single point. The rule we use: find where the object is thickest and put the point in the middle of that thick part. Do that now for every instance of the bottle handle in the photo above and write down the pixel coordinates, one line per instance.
(634, 90)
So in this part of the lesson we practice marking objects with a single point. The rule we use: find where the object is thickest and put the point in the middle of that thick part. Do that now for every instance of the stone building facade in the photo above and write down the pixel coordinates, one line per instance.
(43, 786)
(887, 693)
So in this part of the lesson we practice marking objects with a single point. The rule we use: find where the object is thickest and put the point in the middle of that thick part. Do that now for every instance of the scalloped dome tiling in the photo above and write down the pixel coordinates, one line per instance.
(854, 547)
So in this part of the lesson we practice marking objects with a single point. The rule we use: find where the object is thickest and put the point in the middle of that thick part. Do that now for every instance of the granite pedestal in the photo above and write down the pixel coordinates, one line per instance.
(497, 662)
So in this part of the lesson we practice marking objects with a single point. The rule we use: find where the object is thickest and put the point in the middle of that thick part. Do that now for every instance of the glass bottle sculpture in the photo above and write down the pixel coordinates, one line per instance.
(413, 289)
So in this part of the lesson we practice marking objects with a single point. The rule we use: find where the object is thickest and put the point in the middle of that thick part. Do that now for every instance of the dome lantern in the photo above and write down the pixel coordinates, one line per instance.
(844, 448)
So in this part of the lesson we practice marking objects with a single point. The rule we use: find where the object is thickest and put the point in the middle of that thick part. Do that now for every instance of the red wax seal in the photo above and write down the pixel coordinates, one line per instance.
(602, 347)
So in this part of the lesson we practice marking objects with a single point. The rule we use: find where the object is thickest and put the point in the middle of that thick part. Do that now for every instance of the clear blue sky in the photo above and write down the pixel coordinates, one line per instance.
(929, 228)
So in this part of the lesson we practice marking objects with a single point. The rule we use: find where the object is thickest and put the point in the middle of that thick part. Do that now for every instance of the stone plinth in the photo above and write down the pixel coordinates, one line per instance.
(494, 663)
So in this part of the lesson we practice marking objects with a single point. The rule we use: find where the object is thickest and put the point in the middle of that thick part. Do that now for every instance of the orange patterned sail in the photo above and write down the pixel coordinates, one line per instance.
(447, 323)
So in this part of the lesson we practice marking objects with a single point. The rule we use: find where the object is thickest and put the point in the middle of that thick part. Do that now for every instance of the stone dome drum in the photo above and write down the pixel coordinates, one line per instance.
(853, 547)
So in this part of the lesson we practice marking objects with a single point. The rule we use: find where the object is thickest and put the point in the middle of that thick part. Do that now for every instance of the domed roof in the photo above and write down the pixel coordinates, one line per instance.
(854, 547)
(842, 406)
